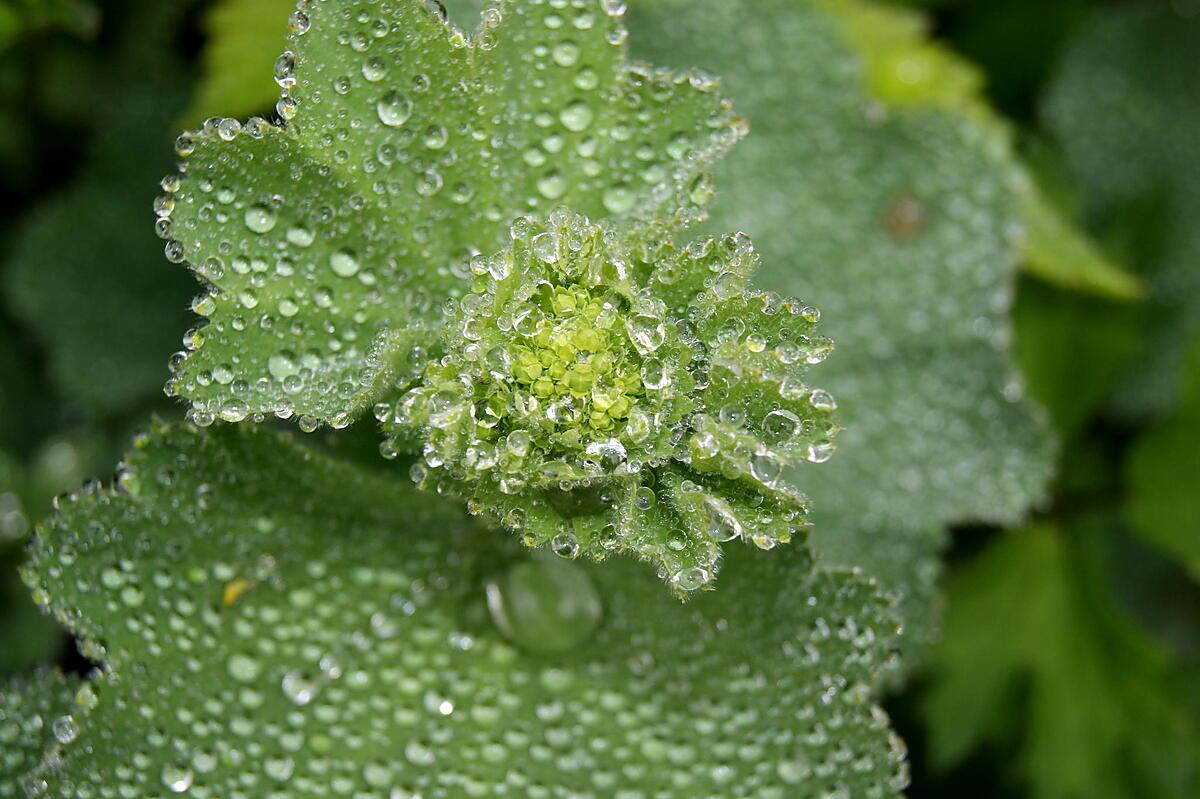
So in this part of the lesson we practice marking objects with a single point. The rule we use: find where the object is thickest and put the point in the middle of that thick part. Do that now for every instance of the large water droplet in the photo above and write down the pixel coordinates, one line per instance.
(394, 109)
(260, 219)
(344, 263)
(545, 605)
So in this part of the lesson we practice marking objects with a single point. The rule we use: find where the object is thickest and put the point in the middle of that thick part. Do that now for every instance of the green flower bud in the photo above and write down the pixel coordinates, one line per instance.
(603, 393)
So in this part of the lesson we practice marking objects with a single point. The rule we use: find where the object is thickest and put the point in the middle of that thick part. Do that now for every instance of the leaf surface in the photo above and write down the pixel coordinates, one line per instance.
(278, 623)
(330, 243)
(34, 714)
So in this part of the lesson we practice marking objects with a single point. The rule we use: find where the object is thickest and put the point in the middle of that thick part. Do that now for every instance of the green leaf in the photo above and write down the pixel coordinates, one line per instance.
(1034, 643)
(279, 623)
(86, 275)
(905, 68)
(603, 394)
(898, 225)
(1072, 349)
(1163, 503)
(1058, 252)
(19, 18)
(34, 714)
(330, 243)
(243, 39)
(1126, 111)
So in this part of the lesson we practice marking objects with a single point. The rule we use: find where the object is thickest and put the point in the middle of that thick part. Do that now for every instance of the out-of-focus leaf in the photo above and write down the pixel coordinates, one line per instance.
(898, 224)
(86, 272)
(243, 39)
(1033, 643)
(34, 714)
(1072, 349)
(19, 17)
(279, 623)
(1126, 109)
(1163, 476)
(905, 68)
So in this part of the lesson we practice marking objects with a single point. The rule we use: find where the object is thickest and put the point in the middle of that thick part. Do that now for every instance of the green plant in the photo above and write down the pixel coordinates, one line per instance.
(506, 261)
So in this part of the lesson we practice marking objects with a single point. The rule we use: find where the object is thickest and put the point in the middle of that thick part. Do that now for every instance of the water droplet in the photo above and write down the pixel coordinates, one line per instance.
(619, 199)
(545, 605)
(299, 687)
(260, 219)
(243, 668)
(646, 332)
(552, 185)
(177, 778)
(65, 729)
(344, 263)
(780, 425)
(576, 117)
(691, 578)
(565, 54)
(394, 109)
(373, 69)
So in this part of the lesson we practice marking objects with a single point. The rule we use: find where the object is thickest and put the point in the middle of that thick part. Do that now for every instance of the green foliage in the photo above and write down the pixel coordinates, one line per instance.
(415, 145)
(80, 258)
(607, 394)
(34, 715)
(899, 223)
(276, 622)
(242, 40)
(1164, 474)
(19, 17)
(1072, 350)
(1034, 643)
(1126, 110)
(905, 68)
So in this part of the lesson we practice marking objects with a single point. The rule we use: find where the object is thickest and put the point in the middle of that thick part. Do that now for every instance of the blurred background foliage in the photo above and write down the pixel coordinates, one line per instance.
(1069, 658)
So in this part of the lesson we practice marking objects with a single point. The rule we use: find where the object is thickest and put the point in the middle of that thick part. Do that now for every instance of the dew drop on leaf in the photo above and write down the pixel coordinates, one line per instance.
(394, 109)
(544, 605)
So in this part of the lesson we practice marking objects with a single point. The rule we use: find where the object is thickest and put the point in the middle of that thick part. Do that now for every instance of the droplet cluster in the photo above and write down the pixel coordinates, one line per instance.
(35, 715)
(276, 624)
(601, 392)
(406, 148)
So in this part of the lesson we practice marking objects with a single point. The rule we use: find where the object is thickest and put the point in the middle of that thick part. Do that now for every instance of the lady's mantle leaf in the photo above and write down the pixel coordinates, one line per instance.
(277, 624)
(35, 713)
(331, 242)
(906, 68)
(898, 225)
(607, 394)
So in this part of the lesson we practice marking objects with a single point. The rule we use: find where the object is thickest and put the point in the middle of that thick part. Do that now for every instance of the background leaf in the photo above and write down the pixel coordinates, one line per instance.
(1126, 109)
(1164, 473)
(906, 68)
(242, 40)
(1035, 649)
(898, 225)
(86, 272)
